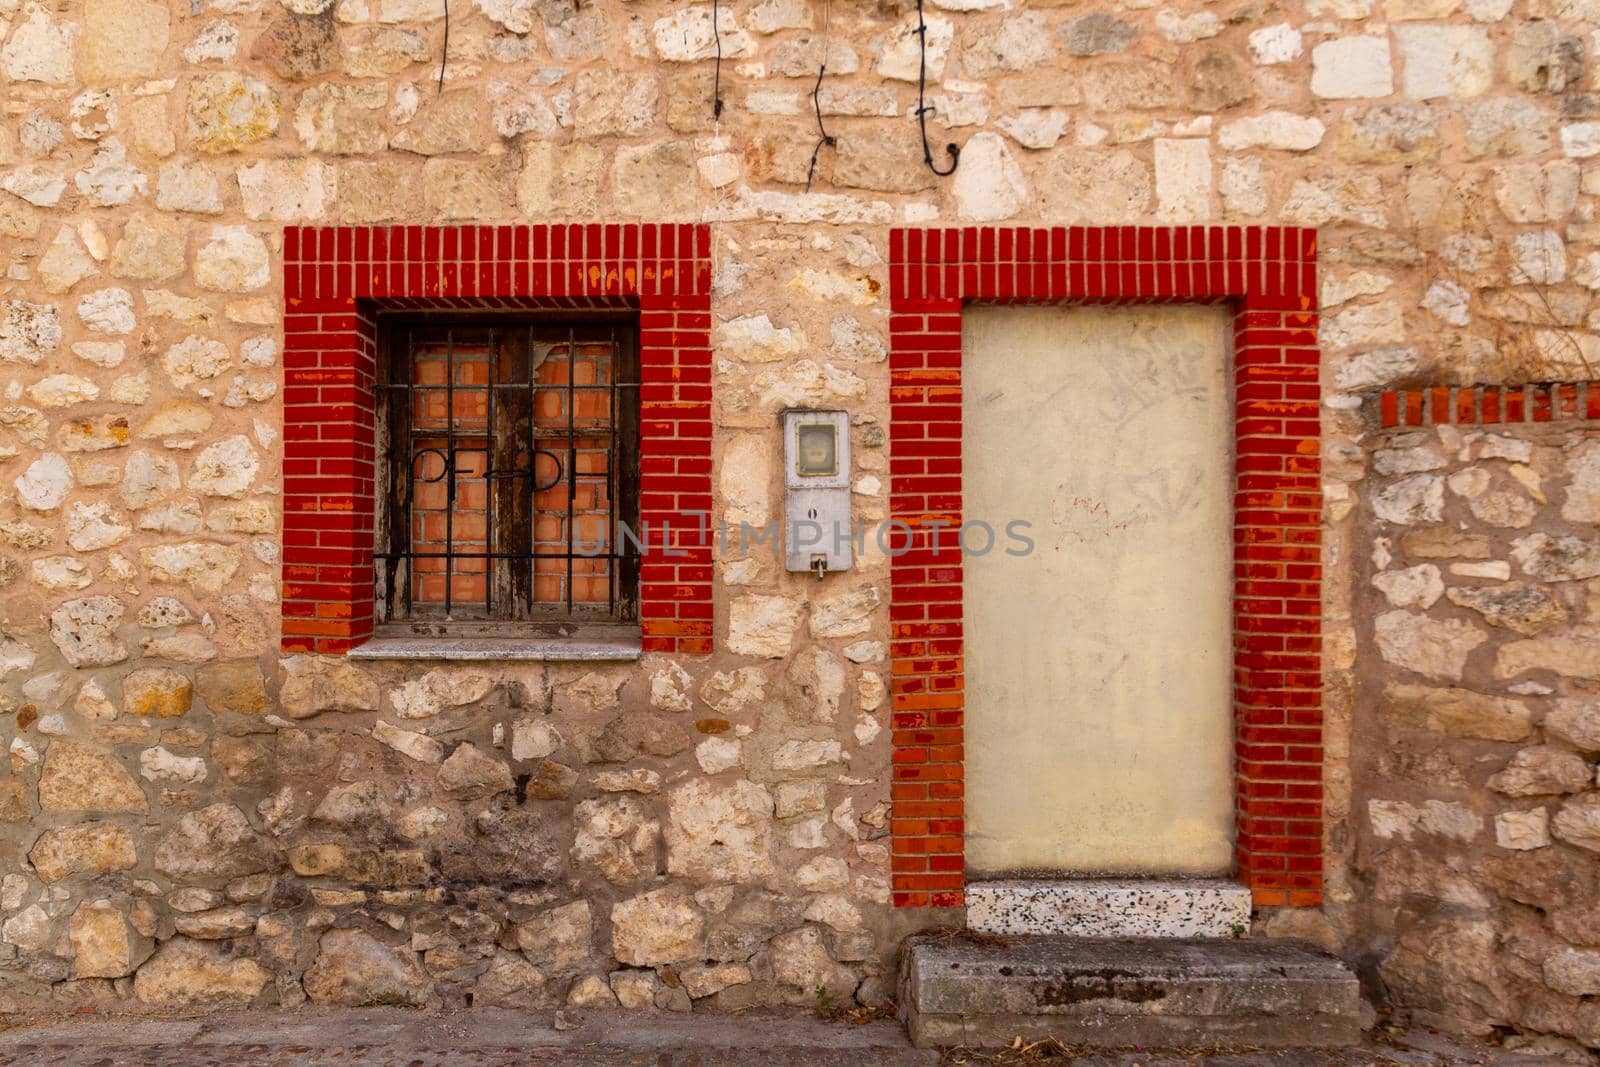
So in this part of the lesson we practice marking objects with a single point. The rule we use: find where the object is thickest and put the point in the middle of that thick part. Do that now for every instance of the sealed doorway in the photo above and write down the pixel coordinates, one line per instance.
(1099, 729)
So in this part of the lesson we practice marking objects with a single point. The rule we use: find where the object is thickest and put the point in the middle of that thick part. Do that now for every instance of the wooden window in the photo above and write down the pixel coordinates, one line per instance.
(508, 474)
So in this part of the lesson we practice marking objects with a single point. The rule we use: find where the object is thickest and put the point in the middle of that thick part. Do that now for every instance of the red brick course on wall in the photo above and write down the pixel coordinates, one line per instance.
(337, 280)
(1488, 405)
(1268, 274)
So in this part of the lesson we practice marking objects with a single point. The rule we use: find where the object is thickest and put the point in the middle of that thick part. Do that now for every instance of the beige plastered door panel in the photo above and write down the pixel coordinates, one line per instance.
(1098, 666)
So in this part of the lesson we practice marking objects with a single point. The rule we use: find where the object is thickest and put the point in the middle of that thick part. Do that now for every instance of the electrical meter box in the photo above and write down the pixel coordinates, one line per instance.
(816, 480)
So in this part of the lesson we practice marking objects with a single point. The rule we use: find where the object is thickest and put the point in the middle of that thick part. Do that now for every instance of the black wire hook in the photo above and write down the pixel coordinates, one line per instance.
(923, 109)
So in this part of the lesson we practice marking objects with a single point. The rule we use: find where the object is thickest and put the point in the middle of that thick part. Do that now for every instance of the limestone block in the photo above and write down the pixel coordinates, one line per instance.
(659, 927)
(1544, 59)
(533, 739)
(801, 960)
(1419, 498)
(88, 848)
(79, 777)
(287, 190)
(86, 631)
(1357, 198)
(233, 686)
(557, 940)
(1280, 43)
(654, 180)
(1562, 558)
(1281, 130)
(729, 692)
(160, 765)
(1574, 653)
(1080, 185)
(205, 567)
(226, 468)
(1575, 722)
(123, 39)
(107, 311)
(104, 943)
(1531, 192)
(39, 49)
(1404, 821)
(687, 36)
(353, 969)
(608, 102)
(988, 185)
(1349, 68)
(233, 260)
(65, 263)
(1437, 648)
(1522, 830)
(1582, 498)
(227, 111)
(720, 832)
(616, 838)
(1577, 822)
(109, 179)
(1098, 34)
(44, 485)
(1419, 586)
(419, 747)
(157, 691)
(213, 844)
(1129, 85)
(1541, 770)
(1539, 258)
(471, 774)
(762, 625)
(904, 50)
(151, 247)
(1518, 606)
(28, 331)
(1183, 179)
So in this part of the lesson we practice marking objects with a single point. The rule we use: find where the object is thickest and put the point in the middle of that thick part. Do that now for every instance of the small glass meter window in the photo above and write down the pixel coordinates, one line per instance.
(818, 451)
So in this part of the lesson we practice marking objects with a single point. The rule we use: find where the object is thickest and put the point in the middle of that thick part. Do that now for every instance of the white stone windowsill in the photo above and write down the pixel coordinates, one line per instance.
(1110, 907)
(621, 647)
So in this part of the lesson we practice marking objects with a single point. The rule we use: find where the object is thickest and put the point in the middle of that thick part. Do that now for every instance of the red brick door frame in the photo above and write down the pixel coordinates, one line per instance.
(1268, 276)
(337, 280)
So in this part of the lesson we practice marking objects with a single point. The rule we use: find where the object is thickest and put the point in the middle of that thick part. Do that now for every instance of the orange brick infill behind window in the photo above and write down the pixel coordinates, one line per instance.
(1268, 275)
(1490, 405)
(337, 280)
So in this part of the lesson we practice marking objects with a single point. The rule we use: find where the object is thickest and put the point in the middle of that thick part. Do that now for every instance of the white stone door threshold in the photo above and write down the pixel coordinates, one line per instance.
(1110, 907)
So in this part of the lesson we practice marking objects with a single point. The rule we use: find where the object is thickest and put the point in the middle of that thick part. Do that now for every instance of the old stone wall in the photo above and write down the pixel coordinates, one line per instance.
(1478, 725)
(189, 819)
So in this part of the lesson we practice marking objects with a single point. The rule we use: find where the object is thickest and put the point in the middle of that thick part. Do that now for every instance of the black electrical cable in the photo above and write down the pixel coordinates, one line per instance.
(444, 53)
(716, 83)
(923, 110)
(823, 136)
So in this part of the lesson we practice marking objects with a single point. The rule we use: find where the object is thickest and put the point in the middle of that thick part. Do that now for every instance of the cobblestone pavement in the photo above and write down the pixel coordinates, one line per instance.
(608, 1039)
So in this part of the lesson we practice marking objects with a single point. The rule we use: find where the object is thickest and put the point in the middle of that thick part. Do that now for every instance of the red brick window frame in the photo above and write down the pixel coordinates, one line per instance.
(337, 280)
(1268, 276)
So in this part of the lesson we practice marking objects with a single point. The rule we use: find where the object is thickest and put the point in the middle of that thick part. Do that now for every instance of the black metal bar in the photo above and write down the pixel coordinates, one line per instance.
(450, 492)
(411, 485)
(572, 453)
(608, 531)
(488, 497)
(427, 441)
(533, 479)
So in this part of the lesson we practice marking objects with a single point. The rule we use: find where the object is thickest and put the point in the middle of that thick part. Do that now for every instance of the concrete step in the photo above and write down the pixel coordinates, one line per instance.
(1108, 993)
(1110, 907)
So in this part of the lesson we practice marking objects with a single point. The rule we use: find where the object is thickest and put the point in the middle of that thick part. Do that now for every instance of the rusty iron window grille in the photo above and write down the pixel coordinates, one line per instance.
(508, 463)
